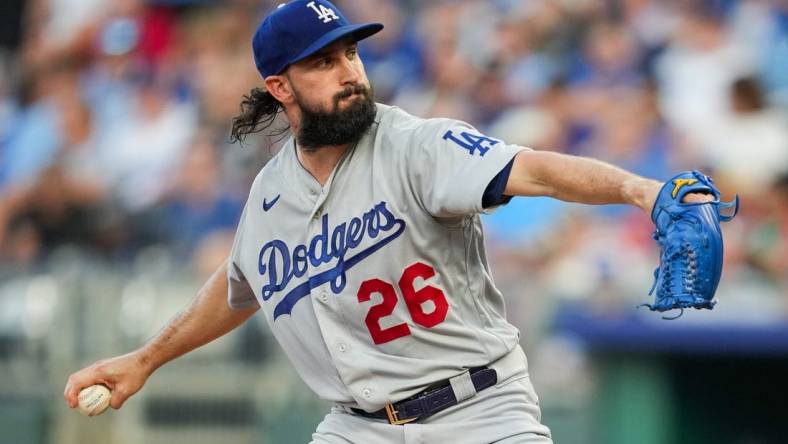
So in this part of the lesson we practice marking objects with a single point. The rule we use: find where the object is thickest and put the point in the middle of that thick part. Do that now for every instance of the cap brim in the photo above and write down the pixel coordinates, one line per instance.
(358, 32)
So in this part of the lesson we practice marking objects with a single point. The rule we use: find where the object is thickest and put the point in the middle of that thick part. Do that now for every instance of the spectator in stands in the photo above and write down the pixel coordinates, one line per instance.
(694, 75)
(768, 241)
(63, 200)
(198, 205)
(148, 145)
(749, 149)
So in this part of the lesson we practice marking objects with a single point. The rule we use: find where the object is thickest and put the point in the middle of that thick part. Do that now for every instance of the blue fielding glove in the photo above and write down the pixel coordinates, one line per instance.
(690, 243)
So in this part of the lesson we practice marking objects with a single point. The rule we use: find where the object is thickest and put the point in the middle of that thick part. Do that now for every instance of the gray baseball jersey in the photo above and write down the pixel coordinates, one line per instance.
(376, 284)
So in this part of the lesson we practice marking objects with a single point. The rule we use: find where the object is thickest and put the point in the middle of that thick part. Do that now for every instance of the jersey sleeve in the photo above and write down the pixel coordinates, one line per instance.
(239, 292)
(453, 167)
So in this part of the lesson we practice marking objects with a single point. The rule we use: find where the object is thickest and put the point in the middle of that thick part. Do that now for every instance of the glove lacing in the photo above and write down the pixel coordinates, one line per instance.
(681, 278)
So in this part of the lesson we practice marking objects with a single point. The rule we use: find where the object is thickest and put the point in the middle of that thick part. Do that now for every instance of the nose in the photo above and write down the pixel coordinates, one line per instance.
(350, 72)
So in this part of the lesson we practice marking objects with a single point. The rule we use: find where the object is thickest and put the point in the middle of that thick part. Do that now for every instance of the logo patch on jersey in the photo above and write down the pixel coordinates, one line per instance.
(323, 13)
(279, 264)
(474, 143)
(268, 205)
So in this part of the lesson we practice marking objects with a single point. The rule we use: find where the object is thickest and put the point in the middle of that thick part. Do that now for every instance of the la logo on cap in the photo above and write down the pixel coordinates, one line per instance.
(323, 13)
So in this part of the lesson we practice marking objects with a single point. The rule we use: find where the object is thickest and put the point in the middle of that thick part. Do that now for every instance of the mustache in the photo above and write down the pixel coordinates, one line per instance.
(359, 89)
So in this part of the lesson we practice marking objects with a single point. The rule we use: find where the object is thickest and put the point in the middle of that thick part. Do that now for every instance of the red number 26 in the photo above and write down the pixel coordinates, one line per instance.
(414, 300)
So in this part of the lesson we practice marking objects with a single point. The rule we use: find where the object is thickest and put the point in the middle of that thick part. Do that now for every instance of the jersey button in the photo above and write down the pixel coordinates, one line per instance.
(343, 347)
(324, 296)
(367, 393)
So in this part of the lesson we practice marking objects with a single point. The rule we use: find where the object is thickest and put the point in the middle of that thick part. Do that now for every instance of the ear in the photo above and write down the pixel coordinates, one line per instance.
(280, 88)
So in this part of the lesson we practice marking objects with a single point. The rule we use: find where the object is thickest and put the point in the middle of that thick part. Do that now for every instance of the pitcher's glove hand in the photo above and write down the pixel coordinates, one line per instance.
(690, 242)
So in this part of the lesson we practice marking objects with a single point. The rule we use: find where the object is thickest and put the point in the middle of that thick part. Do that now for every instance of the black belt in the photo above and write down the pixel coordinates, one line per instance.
(431, 400)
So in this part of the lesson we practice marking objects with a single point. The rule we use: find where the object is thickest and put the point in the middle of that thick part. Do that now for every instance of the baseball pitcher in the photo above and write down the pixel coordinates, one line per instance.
(361, 246)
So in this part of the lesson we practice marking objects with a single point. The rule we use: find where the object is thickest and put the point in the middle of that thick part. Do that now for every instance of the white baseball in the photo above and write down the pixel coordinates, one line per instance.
(93, 400)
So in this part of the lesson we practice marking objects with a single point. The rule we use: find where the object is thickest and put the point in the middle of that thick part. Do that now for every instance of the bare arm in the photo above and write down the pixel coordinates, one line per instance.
(205, 319)
(578, 179)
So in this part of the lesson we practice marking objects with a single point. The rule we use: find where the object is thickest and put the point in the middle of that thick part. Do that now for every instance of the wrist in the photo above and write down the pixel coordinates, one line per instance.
(642, 193)
(145, 358)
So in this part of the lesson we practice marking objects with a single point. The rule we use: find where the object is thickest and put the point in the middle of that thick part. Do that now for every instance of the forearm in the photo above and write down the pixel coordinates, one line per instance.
(578, 179)
(205, 319)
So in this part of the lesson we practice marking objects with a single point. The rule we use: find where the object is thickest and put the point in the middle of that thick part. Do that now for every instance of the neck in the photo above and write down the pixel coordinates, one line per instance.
(320, 162)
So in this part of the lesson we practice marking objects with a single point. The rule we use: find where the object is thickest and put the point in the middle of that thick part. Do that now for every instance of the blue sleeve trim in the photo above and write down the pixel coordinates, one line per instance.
(493, 194)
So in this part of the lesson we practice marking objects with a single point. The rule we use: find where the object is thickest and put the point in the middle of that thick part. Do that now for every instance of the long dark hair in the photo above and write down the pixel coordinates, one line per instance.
(258, 111)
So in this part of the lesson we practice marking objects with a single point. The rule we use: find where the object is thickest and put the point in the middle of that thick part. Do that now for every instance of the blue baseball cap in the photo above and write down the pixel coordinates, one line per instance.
(300, 28)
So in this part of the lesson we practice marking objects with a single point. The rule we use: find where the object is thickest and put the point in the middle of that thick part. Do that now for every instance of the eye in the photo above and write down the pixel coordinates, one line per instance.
(323, 62)
(352, 53)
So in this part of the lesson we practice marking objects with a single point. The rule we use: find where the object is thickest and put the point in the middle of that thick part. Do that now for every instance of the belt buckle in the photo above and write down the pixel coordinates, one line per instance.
(392, 415)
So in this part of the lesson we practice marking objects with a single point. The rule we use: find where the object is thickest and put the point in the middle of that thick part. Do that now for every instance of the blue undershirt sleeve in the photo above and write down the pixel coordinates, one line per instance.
(493, 194)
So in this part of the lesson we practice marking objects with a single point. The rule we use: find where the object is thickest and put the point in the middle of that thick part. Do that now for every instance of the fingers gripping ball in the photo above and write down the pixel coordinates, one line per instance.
(94, 400)
(690, 243)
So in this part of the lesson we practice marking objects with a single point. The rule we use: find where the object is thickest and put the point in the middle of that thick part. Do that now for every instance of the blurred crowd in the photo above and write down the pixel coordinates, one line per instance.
(114, 122)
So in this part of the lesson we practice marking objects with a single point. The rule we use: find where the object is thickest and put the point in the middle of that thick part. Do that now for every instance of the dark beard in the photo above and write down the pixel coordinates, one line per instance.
(337, 127)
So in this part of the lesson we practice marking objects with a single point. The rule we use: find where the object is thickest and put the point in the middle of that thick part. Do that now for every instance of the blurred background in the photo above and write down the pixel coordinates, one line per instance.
(119, 194)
